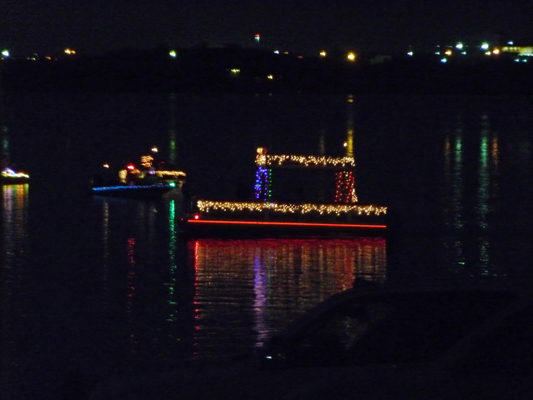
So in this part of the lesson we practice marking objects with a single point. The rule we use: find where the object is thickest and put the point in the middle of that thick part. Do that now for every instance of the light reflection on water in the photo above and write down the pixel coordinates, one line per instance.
(248, 289)
(13, 249)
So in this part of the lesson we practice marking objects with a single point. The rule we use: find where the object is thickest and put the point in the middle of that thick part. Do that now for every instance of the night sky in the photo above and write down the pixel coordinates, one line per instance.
(96, 26)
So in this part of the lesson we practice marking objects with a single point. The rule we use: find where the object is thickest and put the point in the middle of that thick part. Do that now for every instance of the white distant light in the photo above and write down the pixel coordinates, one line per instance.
(410, 53)
(463, 53)
(5, 53)
(172, 53)
(437, 53)
(484, 46)
(443, 60)
(276, 51)
(510, 43)
(459, 46)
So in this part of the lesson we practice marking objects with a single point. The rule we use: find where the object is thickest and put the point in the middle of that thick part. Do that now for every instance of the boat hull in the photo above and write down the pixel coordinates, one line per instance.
(148, 192)
(203, 228)
(13, 181)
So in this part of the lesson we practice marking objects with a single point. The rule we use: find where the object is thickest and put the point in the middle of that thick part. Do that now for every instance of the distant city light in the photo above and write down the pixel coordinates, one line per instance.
(276, 51)
(351, 56)
(173, 53)
(510, 43)
(257, 37)
(484, 46)
(322, 54)
(70, 51)
(459, 46)
(437, 53)
(448, 52)
(5, 53)
(463, 53)
(443, 60)
(488, 53)
(270, 76)
(410, 53)
(496, 51)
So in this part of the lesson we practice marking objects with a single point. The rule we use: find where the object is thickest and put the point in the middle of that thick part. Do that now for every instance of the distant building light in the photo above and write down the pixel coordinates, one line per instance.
(5, 53)
(443, 60)
(496, 51)
(448, 52)
(300, 56)
(285, 52)
(484, 46)
(437, 53)
(410, 53)
(276, 51)
(172, 53)
(257, 37)
(235, 71)
(459, 46)
(70, 51)
(488, 53)
(463, 53)
(351, 56)
(322, 54)
(510, 43)
(270, 76)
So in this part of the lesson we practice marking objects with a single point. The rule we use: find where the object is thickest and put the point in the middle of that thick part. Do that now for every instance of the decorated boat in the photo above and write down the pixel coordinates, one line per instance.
(11, 177)
(266, 217)
(147, 179)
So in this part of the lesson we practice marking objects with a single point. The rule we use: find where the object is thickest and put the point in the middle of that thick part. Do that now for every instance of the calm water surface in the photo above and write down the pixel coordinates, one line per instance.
(108, 285)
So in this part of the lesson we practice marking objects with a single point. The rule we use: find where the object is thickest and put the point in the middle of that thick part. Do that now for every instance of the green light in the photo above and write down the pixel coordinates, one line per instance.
(172, 184)
(173, 53)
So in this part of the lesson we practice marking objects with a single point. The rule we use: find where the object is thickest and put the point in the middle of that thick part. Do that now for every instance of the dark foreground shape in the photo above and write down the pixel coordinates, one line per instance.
(460, 340)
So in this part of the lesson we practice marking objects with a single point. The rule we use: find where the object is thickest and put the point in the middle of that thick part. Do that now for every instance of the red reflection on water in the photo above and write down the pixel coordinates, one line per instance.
(131, 288)
(247, 289)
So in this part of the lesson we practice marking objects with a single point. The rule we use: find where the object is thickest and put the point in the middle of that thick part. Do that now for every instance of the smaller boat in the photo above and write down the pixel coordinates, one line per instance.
(11, 177)
(146, 180)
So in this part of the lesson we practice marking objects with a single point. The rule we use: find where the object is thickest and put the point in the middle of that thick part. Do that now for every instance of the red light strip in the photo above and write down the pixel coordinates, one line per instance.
(198, 221)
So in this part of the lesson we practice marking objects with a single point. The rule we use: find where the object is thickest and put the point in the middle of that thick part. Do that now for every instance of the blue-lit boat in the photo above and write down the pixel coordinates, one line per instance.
(263, 217)
(147, 180)
(11, 177)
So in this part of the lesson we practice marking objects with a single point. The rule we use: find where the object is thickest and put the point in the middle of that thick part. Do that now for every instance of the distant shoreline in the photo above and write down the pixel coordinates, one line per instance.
(250, 72)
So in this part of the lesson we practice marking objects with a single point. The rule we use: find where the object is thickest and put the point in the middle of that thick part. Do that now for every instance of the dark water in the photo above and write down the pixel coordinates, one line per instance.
(107, 285)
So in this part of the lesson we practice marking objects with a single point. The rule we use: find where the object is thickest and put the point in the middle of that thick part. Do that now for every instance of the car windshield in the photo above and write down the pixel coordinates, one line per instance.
(392, 329)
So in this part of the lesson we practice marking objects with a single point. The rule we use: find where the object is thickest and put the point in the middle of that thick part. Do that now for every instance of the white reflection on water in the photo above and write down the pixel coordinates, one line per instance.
(248, 289)
(14, 248)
